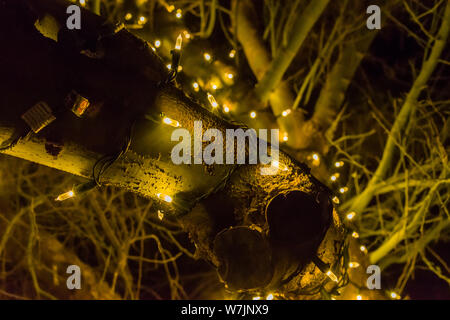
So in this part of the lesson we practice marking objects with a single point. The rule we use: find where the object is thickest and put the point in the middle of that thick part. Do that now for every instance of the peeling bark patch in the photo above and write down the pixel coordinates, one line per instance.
(53, 148)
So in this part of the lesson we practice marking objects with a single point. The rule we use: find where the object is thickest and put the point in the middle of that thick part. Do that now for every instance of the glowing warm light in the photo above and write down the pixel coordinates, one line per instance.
(142, 20)
(363, 249)
(257, 298)
(212, 100)
(170, 122)
(207, 56)
(279, 165)
(334, 177)
(339, 164)
(196, 86)
(187, 35)
(180, 68)
(269, 296)
(394, 295)
(332, 276)
(170, 8)
(355, 235)
(353, 264)
(169, 66)
(226, 108)
(232, 53)
(351, 215)
(286, 112)
(343, 189)
(83, 2)
(160, 215)
(335, 200)
(229, 75)
(164, 197)
(358, 297)
(179, 42)
(253, 114)
(316, 160)
(285, 137)
(128, 16)
(179, 14)
(157, 43)
(214, 86)
(65, 196)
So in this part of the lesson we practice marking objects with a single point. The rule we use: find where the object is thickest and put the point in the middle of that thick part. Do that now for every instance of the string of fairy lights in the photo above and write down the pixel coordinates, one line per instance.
(198, 86)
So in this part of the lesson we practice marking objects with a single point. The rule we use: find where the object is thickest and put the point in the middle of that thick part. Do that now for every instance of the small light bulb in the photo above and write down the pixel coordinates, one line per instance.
(214, 86)
(164, 197)
(279, 165)
(353, 264)
(363, 249)
(142, 20)
(170, 122)
(343, 189)
(157, 43)
(207, 56)
(332, 276)
(128, 16)
(83, 2)
(179, 42)
(226, 109)
(285, 137)
(212, 100)
(229, 75)
(394, 295)
(339, 164)
(315, 160)
(170, 8)
(335, 200)
(334, 177)
(169, 66)
(257, 298)
(269, 296)
(232, 53)
(196, 86)
(180, 68)
(355, 235)
(358, 297)
(187, 35)
(351, 215)
(179, 14)
(253, 114)
(65, 196)
(286, 112)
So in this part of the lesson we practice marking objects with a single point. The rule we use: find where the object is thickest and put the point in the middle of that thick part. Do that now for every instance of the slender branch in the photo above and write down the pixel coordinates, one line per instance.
(299, 32)
(406, 111)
